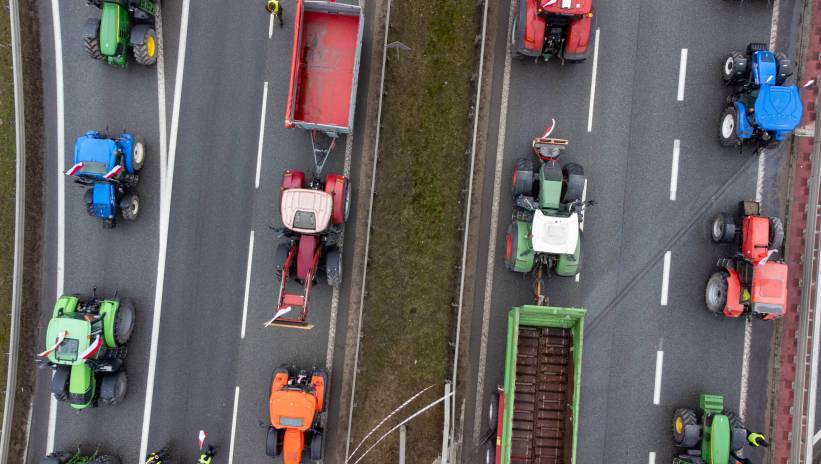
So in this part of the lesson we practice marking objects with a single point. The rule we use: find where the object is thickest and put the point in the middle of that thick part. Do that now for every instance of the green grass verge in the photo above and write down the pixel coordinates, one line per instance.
(415, 243)
(7, 181)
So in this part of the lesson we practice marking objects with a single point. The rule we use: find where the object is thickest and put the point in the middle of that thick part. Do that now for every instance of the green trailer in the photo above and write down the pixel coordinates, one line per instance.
(535, 414)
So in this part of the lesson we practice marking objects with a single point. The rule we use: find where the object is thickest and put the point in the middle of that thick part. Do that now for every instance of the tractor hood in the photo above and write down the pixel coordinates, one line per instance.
(292, 409)
(103, 200)
(778, 108)
(555, 235)
(566, 7)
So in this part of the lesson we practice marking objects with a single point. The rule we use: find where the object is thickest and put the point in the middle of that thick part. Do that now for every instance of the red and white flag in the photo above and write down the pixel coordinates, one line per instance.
(114, 172)
(75, 169)
(201, 438)
(56, 344)
(93, 348)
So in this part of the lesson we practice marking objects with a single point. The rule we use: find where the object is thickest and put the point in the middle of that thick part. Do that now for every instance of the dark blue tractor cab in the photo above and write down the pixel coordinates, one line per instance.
(108, 168)
(761, 107)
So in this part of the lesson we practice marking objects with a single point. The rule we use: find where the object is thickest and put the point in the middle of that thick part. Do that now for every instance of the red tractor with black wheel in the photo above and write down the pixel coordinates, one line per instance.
(313, 216)
(553, 28)
(754, 280)
(295, 406)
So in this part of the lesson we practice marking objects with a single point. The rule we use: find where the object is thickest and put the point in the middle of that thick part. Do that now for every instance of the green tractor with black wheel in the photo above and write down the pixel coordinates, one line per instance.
(86, 347)
(77, 457)
(710, 435)
(548, 214)
(123, 25)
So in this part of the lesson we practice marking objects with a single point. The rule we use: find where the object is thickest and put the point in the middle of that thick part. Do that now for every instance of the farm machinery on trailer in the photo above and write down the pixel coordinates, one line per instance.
(544, 29)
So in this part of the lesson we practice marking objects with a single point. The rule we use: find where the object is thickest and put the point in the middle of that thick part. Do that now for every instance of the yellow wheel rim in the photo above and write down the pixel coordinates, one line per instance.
(150, 45)
(679, 425)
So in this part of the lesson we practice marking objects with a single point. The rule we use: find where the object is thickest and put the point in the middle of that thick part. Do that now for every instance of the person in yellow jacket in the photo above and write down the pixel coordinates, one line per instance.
(275, 9)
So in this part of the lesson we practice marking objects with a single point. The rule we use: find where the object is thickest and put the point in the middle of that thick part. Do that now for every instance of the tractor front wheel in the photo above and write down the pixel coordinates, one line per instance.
(493, 411)
(776, 234)
(490, 452)
(106, 459)
(735, 68)
(723, 228)
(728, 136)
(685, 428)
(124, 322)
(138, 154)
(88, 199)
(113, 388)
(715, 296)
(130, 206)
(145, 53)
(333, 267)
(272, 443)
(58, 457)
(59, 382)
(316, 446)
(738, 432)
(92, 46)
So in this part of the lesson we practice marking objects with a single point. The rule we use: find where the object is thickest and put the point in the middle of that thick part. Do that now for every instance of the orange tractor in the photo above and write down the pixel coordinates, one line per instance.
(296, 404)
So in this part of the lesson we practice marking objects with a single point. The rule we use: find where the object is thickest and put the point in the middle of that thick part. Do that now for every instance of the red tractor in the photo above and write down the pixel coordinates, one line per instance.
(755, 279)
(554, 28)
(295, 405)
(313, 217)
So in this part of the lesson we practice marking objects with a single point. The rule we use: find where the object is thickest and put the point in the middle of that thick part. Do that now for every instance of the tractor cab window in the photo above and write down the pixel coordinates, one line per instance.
(67, 351)
(291, 421)
(305, 220)
(93, 168)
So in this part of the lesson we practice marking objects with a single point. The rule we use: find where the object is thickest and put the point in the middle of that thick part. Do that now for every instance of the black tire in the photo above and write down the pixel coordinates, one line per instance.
(124, 320)
(684, 421)
(59, 382)
(333, 267)
(784, 68)
(106, 459)
(113, 388)
(88, 199)
(574, 181)
(280, 255)
(92, 47)
(493, 411)
(138, 154)
(723, 228)
(130, 206)
(145, 53)
(756, 47)
(324, 376)
(57, 457)
(524, 177)
(715, 293)
(513, 244)
(513, 52)
(272, 443)
(776, 234)
(735, 68)
(727, 133)
(738, 432)
(346, 211)
(316, 446)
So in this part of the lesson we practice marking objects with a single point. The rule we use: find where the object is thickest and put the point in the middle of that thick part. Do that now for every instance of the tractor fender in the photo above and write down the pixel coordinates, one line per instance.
(66, 304)
(579, 32)
(733, 308)
(138, 34)
(292, 180)
(108, 309)
(335, 185)
(574, 182)
(126, 144)
(519, 254)
(528, 31)
(744, 129)
(570, 265)
(91, 29)
(692, 433)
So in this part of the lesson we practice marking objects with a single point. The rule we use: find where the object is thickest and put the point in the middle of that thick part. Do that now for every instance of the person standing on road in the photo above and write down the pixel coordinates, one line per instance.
(756, 439)
(275, 9)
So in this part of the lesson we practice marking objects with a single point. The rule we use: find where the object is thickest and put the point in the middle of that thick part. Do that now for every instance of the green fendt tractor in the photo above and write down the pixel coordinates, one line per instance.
(77, 457)
(85, 345)
(123, 25)
(708, 435)
(548, 214)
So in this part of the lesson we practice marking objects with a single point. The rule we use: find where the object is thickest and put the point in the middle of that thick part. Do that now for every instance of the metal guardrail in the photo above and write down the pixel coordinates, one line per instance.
(19, 230)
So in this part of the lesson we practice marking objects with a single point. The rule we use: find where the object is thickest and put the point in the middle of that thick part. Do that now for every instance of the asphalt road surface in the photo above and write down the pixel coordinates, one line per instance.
(640, 117)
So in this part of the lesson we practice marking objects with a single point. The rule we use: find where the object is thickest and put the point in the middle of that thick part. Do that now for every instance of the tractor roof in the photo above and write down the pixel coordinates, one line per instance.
(92, 150)
(306, 211)
(566, 7)
(555, 234)
(769, 288)
(76, 341)
(778, 108)
(292, 409)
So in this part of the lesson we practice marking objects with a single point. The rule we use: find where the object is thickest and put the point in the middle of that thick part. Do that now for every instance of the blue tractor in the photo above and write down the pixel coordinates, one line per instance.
(109, 168)
(761, 107)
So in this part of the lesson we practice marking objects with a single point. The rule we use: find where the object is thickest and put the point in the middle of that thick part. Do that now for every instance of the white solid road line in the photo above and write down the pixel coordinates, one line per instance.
(261, 132)
(665, 278)
(233, 427)
(657, 386)
(745, 367)
(271, 27)
(61, 192)
(652, 458)
(674, 170)
(165, 210)
(161, 117)
(593, 81)
(682, 73)
(247, 284)
(491, 247)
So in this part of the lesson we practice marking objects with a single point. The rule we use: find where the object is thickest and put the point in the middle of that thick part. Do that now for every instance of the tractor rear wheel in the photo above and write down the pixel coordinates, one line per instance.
(106, 459)
(88, 199)
(113, 388)
(735, 68)
(145, 53)
(333, 267)
(280, 255)
(493, 411)
(723, 228)
(59, 382)
(130, 206)
(524, 177)
(272, 443)
(684, 423)
(738, 432)
(124, 322)
(785, 69)
(776, 234)
(92, 47)
(138, 154)
(727, 134)
(316, 446)
(715, 295)
(58, 457)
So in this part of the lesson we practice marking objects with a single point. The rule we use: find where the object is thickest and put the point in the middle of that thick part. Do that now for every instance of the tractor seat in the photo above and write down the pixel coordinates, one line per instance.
(306, 211)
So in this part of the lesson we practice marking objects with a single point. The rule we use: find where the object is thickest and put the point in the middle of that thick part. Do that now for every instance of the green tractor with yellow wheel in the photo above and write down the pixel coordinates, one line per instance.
(123, 26)
(709, 435)
(78, 457)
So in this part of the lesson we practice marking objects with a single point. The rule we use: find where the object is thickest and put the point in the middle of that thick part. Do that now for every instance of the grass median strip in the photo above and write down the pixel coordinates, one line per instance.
(418, 210)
